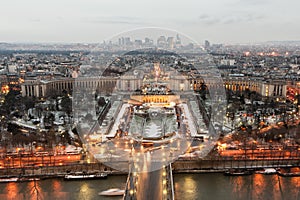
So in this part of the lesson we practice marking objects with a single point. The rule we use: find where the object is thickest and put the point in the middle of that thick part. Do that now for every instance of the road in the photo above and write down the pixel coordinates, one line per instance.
(257, 154)
(19, 161)
(149, 185)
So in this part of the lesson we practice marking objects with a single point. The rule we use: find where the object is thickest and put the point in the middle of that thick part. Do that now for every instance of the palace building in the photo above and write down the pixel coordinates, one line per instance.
(131, 82)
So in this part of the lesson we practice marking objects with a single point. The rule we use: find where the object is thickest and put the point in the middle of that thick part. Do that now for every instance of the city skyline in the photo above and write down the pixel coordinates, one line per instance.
(233, 21)
(170, 96)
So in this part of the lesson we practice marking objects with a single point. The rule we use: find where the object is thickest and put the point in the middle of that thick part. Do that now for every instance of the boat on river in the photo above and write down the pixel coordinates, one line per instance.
(237, 172)
(84, 176)
(24, 179)
(8, 179)
(18, 179)
(289, 172)
(267, 171)
(112, 192)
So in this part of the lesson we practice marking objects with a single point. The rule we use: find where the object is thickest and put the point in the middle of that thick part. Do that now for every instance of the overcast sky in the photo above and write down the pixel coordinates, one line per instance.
(219, 21)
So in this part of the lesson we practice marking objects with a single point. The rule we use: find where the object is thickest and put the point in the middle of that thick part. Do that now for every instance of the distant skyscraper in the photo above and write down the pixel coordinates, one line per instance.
(121, 41)
(138, 42)
(148, 42)
(161, 41)
(171, 42)
(206, 44)
(127, 41)
(178, 41)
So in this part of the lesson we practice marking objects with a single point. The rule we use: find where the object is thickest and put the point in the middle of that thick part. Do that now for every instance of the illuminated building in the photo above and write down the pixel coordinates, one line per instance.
(129, 82)
(4, 89)
(293, 92)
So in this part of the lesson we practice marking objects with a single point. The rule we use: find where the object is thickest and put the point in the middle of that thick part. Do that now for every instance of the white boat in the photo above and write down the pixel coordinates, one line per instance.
(23, 179)
(237, 172)
(267, 171)
(112, 192)
(7, 180)
(289, 172)
(84, 176)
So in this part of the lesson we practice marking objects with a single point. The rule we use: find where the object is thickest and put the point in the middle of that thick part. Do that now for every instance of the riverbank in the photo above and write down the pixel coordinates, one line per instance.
(46, 172)
(187, 186)
(180, 166)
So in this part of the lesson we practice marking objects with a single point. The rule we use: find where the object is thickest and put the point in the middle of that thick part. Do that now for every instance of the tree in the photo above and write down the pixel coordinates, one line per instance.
(247, 93)
(298, 99)
(89, 117)
(242, 99)
(66, 104)
(10, 101)
(10, 98)
(28, 102)
(203, 88)
(101, 101)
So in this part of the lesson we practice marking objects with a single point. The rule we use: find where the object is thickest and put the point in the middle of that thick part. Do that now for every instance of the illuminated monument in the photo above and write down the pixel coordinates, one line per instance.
(150, 115)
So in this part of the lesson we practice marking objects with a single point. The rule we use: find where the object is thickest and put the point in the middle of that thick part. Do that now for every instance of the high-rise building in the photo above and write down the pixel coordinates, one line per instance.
(206, 44)
(170, 42)
(148, 42)
(161, 41)
(127, 41)
(138, 42)
(121, 41)
(178, 41)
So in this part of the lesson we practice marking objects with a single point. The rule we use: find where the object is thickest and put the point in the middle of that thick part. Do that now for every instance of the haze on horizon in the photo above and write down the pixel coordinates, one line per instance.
(89, 21)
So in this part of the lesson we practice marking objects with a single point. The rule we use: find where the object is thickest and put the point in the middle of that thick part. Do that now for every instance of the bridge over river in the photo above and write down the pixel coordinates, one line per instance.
(159, 184)
(150, 185)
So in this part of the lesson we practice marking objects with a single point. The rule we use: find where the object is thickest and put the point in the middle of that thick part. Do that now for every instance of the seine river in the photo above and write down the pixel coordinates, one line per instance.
(211, 186)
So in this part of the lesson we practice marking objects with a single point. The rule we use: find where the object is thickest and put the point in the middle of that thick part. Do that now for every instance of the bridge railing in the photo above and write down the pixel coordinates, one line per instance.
(130, 190)
(168, 184)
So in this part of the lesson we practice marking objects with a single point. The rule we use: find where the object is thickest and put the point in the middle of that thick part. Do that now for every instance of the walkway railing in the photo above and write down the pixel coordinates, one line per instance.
(168, 184)
(130, 190)
(165, 192)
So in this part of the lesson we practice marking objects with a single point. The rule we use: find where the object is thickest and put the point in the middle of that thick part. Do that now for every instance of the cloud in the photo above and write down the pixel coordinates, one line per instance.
(117, 20)
(204, 17)
(253, 2)
(229, 19)
(242, 19)
(35, 20)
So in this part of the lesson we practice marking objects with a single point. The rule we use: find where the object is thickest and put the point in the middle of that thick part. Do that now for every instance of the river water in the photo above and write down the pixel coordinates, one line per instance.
(217, 186)
(212, 186)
